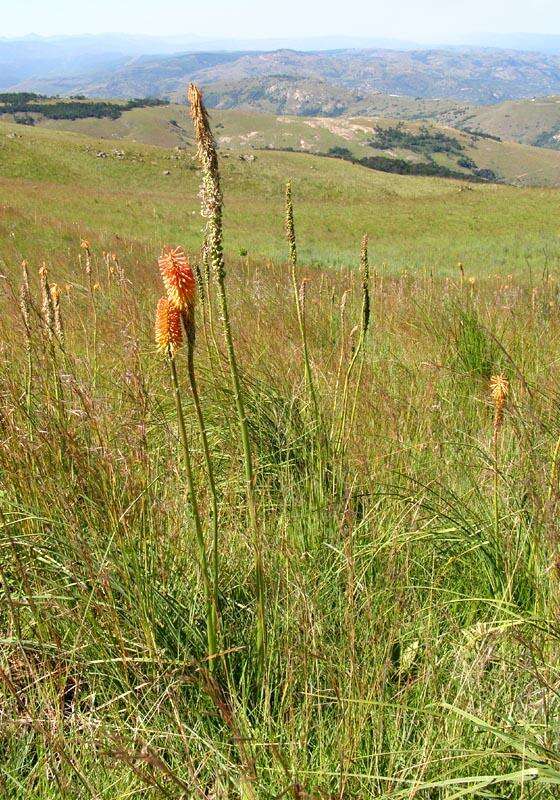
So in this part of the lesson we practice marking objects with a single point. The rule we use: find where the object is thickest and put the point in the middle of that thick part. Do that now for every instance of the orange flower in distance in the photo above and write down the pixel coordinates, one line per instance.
(178, 277)
(169, 334)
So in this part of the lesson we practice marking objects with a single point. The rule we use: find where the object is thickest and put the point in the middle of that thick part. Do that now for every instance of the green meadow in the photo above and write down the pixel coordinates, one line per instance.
(55, 189)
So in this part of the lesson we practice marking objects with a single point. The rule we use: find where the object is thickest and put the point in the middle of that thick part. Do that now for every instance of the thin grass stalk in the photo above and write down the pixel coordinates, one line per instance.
(553, 479)
(499, 389)
(365, 319)
(57, 314)
(291, 237)
(85, 245)
(26, 310)
(47, 313)
(211, 206)
(341, 329)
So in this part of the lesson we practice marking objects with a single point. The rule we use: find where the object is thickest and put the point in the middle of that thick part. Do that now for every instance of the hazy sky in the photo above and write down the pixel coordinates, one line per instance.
(412, 19)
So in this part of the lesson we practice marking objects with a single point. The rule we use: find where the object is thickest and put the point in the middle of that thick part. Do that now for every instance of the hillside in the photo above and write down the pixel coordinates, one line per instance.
(466, 75)
(55, 184)
(535, 121)
(285, 94)
(384, 143)
(415, 143)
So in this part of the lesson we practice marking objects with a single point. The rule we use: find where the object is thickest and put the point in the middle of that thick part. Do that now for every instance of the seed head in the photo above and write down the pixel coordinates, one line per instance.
(289, 224)
(84, 244)
(25, 303)
(303, 292)
(46, 300)
(25, 275)
(499, 390)
(199, 116)
(178, 278)
(58, 327)
(210, 188)
(169, 334)
(364, 269)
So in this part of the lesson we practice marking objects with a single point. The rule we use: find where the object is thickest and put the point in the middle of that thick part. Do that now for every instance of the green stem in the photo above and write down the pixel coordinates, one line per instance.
(249, 473)
(189, 332)
(211, 631)
(496, 501)
(553, 470)
(29, 386)
(344, 408)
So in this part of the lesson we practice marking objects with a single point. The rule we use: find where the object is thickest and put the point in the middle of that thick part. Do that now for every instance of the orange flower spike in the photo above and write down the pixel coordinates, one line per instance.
(178, 278)
(169, 333)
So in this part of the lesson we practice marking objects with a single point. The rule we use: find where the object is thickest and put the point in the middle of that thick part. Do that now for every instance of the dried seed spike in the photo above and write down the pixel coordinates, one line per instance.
(178, 277)
(58, 327)
(499, 390)
(343, 302)
(25, 315)
(303, 293)
(46, 299)
(25, 303)
(84, 244)
(211, 209)
(211, 199)
(169, 334)
(289, 223)
(25, 275)
(364, 265)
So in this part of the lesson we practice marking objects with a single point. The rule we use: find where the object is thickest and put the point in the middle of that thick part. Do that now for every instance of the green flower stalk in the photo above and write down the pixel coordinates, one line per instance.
(211, 209)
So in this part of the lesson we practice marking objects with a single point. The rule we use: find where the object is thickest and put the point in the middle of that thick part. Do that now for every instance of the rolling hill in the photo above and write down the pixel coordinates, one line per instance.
(56, 188)
(535, 121)
(288, 94)
(377, 141)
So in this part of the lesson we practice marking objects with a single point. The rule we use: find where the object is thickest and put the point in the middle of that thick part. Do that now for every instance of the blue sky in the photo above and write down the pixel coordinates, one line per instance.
(412, 19)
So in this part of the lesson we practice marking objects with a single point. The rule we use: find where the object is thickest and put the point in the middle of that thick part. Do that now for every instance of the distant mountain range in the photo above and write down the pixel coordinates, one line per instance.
(324, 75)
(333, 82)
(528, 42)
(32, 58)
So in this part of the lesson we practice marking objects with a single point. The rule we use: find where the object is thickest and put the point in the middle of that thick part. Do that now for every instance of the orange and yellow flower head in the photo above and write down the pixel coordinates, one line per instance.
(178, 278)
(169, 333)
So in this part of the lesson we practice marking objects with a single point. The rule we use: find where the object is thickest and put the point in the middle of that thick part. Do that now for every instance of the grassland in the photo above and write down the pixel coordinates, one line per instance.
(410, 546)
(56, 185)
